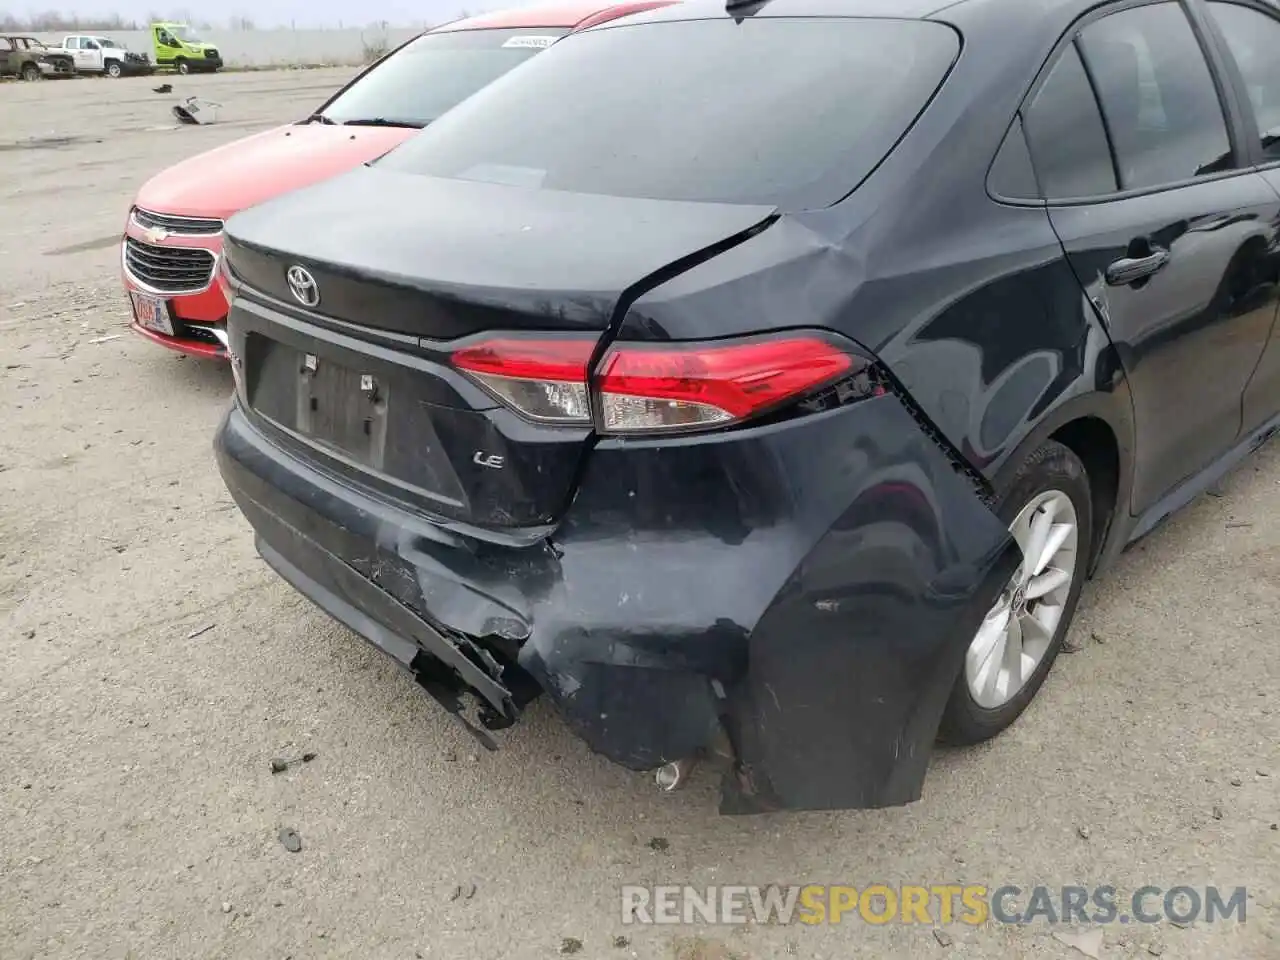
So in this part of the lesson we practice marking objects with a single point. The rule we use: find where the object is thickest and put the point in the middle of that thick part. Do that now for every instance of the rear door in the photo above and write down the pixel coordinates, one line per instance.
(1251, 36)
(1167, 229)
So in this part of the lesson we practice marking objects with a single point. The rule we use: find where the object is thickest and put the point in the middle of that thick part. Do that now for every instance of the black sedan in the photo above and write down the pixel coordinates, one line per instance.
(768, 380)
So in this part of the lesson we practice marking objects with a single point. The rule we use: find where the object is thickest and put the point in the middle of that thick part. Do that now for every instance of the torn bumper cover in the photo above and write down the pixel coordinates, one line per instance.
(806, 589)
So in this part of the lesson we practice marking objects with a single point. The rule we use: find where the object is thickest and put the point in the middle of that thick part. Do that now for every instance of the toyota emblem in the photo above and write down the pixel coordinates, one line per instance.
(303, 286)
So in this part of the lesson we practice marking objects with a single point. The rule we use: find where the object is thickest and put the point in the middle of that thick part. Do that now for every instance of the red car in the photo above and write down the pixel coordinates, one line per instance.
(173, 236)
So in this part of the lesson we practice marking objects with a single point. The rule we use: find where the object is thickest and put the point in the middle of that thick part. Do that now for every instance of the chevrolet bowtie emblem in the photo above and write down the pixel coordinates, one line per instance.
(155, 234)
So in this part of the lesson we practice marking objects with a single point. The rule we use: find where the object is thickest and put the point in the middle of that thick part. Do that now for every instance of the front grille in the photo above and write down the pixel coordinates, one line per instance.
(179, 226)
(168, 269)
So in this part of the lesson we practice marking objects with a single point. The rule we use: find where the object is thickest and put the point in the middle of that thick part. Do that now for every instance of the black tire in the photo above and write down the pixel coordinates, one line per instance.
(30, 72)
(1051, 467)
(182, 66)
(113, 70)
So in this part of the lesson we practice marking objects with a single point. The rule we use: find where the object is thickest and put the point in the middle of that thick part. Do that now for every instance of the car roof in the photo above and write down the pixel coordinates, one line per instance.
(568, 15)
(898, 9)
(895, 9)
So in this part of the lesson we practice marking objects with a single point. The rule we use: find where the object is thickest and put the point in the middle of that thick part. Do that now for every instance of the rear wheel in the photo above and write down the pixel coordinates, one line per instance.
(30, 72)
(1048, 509)
(113, 69)
(182, 66)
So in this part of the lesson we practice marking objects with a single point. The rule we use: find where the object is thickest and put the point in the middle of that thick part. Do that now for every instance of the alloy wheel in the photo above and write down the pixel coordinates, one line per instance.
(1019, 630)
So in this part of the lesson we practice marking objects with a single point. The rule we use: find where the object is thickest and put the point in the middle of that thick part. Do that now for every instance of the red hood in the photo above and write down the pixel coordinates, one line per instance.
(230, 178)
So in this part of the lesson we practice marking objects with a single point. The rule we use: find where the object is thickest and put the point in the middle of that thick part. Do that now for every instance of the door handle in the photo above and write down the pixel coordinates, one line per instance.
(1129, 270)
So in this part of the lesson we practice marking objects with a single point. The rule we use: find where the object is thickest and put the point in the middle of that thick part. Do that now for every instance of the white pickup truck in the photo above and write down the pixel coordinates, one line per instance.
(103, 55)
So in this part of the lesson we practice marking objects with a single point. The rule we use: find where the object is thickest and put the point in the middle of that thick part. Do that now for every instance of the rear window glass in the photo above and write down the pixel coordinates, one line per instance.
(422, 80)
(788, 112)
(1068, 140)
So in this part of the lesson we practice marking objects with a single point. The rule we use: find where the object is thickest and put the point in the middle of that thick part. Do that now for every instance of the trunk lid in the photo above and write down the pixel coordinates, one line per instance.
(360, 381)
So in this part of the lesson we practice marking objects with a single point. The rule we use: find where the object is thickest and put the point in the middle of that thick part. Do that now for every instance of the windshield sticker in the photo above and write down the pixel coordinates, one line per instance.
(538, 43)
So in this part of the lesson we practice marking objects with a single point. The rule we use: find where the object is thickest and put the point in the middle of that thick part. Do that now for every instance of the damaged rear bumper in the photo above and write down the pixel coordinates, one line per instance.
(803, 590)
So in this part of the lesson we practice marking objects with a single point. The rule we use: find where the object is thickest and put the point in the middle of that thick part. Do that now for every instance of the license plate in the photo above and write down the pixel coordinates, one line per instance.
(152, 313)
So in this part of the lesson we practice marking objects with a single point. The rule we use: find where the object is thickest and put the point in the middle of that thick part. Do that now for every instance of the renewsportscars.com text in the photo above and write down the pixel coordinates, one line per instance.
(930, 904)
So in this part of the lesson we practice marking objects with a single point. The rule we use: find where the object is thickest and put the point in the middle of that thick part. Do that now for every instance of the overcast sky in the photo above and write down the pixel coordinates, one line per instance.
(308, 13)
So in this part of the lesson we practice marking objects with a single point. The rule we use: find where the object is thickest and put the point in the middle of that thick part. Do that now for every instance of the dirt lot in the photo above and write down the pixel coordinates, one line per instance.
(150, 667)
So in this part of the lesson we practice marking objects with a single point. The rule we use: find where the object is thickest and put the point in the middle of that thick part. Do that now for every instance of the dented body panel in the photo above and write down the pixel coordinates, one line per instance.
(815, 612)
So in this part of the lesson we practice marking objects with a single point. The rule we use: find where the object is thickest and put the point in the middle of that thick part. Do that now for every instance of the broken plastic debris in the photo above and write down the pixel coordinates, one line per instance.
(196, 110)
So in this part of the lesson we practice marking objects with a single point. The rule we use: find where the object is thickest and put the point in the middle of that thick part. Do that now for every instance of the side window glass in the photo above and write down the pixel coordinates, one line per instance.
(1012, 175)
(1157, 96)
(1065, 132)
(1253, 39)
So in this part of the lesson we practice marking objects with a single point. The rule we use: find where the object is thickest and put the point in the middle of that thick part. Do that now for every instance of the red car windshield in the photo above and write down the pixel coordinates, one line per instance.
(422, 80)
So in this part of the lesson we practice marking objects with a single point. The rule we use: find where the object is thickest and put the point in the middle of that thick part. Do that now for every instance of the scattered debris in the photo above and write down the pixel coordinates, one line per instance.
(450, 756)
(163, 88)
(280, 764)
(1237, 524)
(1097, 637)
(944, 939)
(1089, 942)
(1216, 490)
(1155, 949)
(107, 339)
(226, 907)
(464, 891)
(26, 786)
(621, 942)
(570, 945)
(1217, 812)
(33, 861)
(196, 110)
(290, 840)
(1083, 832)
(202, 630)
(1070, 646)
(1262, 773)
(661, 844)
(30, 634)
(1236, 781)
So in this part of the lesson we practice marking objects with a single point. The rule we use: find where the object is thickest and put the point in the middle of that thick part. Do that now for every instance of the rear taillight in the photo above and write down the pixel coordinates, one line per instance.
(652, 388)
(680, 387)
(545, 380)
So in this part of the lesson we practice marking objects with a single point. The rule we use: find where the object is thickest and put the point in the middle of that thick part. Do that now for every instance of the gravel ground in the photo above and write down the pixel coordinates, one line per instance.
(151, 666)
